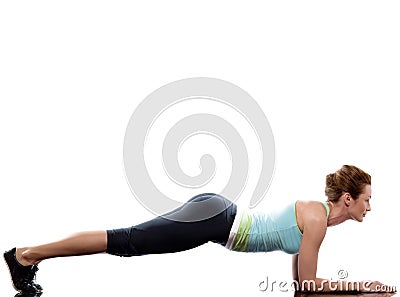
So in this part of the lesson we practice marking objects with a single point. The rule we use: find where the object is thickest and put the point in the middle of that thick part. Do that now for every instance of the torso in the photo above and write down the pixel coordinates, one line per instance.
(279, 229)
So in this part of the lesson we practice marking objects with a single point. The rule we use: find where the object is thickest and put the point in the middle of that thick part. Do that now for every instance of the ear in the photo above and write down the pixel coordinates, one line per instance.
(347, 199)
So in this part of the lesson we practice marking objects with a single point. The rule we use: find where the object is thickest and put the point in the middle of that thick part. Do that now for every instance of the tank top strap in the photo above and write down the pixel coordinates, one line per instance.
(327, 208)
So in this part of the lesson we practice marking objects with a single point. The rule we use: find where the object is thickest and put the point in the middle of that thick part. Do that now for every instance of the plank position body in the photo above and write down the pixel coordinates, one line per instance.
(297, 229)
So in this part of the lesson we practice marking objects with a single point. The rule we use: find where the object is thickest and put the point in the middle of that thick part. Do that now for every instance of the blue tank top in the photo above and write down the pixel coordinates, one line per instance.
(265, 232)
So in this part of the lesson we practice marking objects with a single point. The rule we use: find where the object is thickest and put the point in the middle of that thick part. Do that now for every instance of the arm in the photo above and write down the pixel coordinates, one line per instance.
(305, 270)
(313, 234)
(314, 230)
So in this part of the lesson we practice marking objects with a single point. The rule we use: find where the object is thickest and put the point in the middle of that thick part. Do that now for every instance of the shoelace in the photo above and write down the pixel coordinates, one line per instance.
(31, 275)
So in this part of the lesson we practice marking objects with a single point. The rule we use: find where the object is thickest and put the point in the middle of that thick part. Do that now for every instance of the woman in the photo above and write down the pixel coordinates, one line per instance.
(297, 229)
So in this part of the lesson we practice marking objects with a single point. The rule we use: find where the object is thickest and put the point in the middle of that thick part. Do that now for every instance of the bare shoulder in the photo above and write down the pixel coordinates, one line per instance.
(312, 208)
(310, 212)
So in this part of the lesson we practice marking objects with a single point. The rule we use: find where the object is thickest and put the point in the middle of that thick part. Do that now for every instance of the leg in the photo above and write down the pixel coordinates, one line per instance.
(83, 243)
(176, 231)
(22, 262)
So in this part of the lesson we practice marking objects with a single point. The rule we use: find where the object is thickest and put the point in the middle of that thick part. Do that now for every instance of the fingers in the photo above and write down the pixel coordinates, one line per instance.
(377, 287)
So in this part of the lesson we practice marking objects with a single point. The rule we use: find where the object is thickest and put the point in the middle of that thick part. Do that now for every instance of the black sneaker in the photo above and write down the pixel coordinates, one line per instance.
(22, 276)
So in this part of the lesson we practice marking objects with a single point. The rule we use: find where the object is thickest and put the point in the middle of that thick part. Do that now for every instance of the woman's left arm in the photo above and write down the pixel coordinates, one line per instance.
(313, 234)
(314, 231)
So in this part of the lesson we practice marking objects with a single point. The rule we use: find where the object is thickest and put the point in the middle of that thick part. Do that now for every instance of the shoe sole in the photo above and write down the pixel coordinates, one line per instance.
(12, 283)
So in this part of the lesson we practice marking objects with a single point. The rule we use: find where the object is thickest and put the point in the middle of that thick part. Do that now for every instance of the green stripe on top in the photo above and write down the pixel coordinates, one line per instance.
(241, 241)
(328, 210)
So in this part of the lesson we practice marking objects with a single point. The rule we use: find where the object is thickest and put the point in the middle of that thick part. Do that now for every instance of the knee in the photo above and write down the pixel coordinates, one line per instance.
(120, 242)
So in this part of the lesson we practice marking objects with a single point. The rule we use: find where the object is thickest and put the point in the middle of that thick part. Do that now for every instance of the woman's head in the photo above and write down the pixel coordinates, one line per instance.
(348, 179)
(350, 189)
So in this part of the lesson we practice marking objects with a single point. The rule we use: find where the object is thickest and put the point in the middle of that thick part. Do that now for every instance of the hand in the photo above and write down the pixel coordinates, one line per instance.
(375, 286)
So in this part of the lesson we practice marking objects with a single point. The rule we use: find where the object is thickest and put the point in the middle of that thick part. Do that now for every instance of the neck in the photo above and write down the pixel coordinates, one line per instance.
(337, 215)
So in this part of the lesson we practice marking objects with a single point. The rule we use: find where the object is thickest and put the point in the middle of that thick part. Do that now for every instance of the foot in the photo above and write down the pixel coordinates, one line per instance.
(21, 258)
(23, 277)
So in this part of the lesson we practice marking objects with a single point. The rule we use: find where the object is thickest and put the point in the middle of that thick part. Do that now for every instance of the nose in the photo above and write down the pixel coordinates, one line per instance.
(369, 207)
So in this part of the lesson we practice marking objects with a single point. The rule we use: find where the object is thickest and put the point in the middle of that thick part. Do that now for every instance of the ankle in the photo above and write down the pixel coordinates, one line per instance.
(24, 256)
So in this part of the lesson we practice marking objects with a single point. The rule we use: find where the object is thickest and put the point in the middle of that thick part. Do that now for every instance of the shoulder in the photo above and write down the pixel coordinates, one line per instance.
(314, 209)
(311, 215)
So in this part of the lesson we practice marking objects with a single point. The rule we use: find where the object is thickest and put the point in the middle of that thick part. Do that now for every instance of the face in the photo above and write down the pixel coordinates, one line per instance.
(358, 208)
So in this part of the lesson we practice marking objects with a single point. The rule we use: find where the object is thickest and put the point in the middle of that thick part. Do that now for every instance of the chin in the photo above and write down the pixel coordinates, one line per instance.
(358, 219)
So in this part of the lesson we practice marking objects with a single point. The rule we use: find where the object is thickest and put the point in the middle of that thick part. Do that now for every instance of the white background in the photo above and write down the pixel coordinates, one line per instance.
(326, 74)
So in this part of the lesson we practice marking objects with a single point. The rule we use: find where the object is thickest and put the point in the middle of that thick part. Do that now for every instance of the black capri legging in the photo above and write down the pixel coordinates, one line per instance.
(162, 235)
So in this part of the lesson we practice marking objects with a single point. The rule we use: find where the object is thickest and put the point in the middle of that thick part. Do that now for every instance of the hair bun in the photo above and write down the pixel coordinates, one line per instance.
(330, 180)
